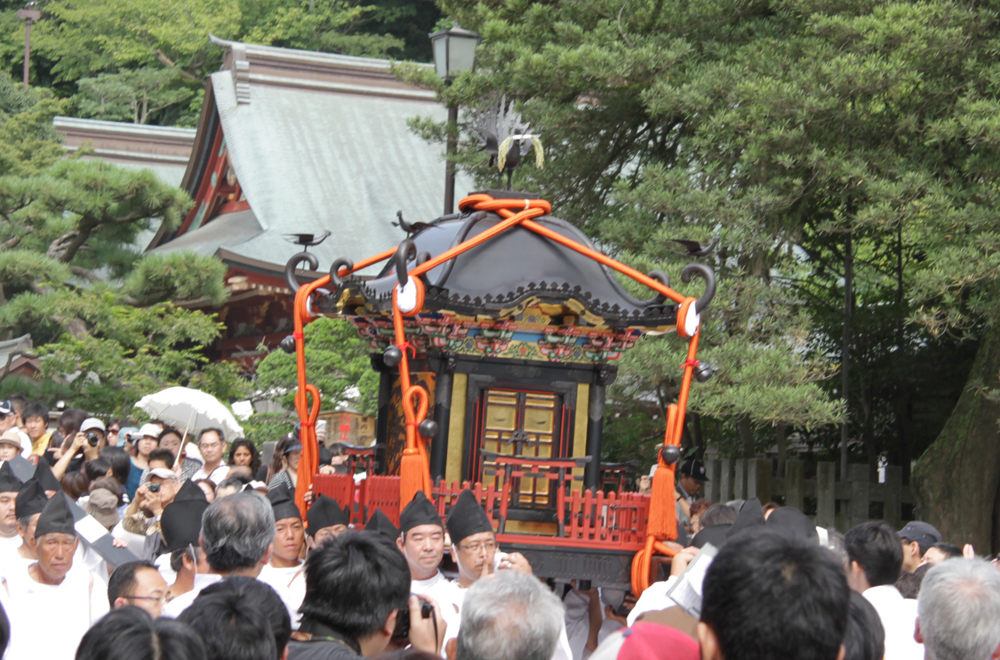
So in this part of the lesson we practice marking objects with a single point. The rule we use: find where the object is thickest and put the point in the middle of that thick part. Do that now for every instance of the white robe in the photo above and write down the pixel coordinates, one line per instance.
(76, 604)
(290, 583)
(174, 608)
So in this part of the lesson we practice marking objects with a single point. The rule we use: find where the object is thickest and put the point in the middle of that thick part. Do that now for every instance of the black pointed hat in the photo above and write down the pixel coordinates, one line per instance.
(8, 482)
(190, 491)
(180, 524)
(283, 503)
(379, 522)
(325, 512)
(791, 522)
(31, 499)
(466, 518)
(45, 477)
(751, 515)
(420, 511)
(56, 517)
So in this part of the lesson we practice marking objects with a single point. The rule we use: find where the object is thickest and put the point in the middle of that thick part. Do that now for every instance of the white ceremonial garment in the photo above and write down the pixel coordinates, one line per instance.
(577, 622)
(899, 617)
(8, 550)
(48, 621)
(290, 583)
(174, 608)
(653, 599)
(448, 596)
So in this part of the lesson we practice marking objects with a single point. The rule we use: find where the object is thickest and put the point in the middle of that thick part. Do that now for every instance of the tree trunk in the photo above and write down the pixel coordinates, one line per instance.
(956, 479)
(782, 448)
(746, 434)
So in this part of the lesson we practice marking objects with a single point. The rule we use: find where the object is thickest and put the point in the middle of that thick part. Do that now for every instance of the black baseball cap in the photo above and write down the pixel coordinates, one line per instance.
(695, 469)
(925, 534)
(6, 408)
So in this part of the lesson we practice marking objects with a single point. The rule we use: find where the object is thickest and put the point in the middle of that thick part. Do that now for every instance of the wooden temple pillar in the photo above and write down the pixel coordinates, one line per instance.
(444, 378)
(382, 416)
(604, 375)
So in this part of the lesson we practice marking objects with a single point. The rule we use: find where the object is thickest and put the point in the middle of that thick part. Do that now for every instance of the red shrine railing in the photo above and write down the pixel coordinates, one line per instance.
(608, 521)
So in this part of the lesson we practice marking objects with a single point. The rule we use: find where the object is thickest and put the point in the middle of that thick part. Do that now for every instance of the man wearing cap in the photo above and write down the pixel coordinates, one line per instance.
(691, 476)
(212, 445)
(9, 488)
(326, 521)
(8, 422)
(10, 445)
(917, 538)
(180, 527)
(422, 543)
(52, 606)
(142, 516)
(284, 572)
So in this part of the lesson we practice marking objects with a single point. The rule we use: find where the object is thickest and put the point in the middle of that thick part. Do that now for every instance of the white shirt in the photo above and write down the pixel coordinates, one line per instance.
(37, 611)
(218, 474)
(290, 583)
(449, 598)
(174, 608)
(653, 599)
(899, 616)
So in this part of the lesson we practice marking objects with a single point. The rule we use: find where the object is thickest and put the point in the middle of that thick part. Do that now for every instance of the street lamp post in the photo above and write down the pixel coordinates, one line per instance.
(454, 52)
(29, 14)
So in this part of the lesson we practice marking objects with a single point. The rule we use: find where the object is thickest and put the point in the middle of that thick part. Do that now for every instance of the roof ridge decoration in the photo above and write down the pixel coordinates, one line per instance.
(241, 72)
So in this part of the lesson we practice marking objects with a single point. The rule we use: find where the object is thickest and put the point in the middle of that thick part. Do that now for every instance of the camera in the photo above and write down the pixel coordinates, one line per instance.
(403, 618)
(153, 488)
(93, 439)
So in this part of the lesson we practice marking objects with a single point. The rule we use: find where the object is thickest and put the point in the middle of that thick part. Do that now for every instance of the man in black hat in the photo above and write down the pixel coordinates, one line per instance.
(379, 522)
(31, 500)
(474, 549)
(48, 591)
(326, 521)
(284, 572)
(180, 526)
(9, 487)
(422, 543)
(237, 537)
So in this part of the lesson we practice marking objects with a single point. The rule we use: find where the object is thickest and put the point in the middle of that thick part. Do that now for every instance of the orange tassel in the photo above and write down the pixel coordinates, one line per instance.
(412, 473)
(662, 504)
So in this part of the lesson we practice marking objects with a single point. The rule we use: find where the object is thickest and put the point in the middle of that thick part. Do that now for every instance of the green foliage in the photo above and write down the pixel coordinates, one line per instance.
(783, 128)
(131, 94)
(336, 359)
(177, 276)
(67, 228)
(126, 351)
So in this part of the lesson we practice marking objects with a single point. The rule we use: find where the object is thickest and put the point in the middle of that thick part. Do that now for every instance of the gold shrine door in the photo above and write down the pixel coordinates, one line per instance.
(523, 424)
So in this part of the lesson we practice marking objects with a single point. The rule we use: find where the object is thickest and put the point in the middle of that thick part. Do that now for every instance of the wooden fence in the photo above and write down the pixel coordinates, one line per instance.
(831, 502)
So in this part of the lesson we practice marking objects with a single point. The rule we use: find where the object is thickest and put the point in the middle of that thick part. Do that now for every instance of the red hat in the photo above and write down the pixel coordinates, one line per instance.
(647, 641)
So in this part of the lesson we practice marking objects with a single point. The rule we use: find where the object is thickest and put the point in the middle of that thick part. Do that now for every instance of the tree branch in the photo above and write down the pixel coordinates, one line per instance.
(160, 55)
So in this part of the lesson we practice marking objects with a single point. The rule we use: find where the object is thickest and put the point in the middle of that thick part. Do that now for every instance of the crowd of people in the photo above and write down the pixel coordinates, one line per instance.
(229, 569)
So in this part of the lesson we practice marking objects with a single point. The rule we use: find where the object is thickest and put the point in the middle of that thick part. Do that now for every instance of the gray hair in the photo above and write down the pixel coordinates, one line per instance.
(959, 610)
(236, 531)
(509, 617)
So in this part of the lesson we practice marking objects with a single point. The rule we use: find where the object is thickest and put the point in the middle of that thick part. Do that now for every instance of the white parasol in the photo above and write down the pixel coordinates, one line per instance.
(191, 410)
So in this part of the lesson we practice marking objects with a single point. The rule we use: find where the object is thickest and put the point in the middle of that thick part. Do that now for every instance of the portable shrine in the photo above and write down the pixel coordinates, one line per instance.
(496, 332)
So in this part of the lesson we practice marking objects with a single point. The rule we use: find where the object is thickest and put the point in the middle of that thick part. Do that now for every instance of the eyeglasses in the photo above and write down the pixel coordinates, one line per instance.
(113, 430)
(162, 600)
(476, 547)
